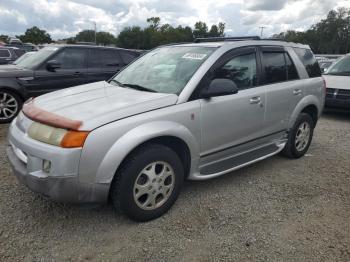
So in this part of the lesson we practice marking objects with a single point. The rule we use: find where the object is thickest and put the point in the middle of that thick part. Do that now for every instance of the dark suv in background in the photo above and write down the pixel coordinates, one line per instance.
(9, 54)
(57, 67)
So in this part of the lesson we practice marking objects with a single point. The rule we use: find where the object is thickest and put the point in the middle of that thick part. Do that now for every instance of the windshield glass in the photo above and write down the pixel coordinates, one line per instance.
(341, 67)
(164, 70)
(37, 58)
(22, 57)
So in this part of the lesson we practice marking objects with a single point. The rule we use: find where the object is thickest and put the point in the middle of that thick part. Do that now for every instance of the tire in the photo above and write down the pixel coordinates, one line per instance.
(141, 179)
(296, 148)
(10, 105)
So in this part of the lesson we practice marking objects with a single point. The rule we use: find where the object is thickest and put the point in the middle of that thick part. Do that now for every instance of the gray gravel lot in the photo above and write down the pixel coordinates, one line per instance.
(275, 210)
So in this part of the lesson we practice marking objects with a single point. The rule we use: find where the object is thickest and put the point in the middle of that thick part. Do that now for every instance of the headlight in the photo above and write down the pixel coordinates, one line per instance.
(57, 136)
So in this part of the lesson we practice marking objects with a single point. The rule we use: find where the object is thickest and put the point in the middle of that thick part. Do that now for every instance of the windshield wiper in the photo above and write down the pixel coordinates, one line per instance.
(141, 88)
(117, 82)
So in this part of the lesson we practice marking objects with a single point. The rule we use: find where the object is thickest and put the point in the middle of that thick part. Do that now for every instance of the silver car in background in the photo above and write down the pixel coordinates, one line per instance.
(338, 84)
(190, 111)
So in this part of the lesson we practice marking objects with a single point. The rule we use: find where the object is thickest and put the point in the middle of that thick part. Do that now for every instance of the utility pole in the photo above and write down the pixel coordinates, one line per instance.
(262, 30)
(95, 31)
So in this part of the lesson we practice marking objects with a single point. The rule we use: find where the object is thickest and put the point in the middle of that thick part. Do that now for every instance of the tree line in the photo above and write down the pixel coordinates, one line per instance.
(329, 36)
(133, 37)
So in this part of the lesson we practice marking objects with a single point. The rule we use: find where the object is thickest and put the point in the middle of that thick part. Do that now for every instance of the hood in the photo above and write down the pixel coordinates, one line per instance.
(338, 82)
(11, 70)
(99, 103)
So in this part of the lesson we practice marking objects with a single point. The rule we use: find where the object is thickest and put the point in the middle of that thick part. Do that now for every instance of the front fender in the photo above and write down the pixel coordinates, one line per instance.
(137, 136)
(13, 85)
(303, 103)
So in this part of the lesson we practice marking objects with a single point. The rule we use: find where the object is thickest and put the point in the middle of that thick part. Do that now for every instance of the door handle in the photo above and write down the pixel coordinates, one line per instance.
(255, 100)
(296, 92)
(77, 73)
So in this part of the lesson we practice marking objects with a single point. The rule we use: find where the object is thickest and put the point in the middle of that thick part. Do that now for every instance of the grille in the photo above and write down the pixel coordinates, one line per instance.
(341, 94)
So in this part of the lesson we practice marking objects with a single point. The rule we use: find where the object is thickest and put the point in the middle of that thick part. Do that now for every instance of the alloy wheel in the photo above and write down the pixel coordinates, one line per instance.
(8, 106)
(154, 185)
(302, 136)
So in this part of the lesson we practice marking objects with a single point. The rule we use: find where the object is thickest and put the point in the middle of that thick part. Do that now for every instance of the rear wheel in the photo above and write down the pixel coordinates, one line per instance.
(148, 183)
(300, 137)
(10, 105)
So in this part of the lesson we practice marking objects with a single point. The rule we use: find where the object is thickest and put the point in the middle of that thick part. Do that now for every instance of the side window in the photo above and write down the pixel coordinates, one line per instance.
(127, 57)
(309, 61)
(291, 69)
(275, 67)
(240, 69)
(104, 58)
(71, 58)
(4, 53)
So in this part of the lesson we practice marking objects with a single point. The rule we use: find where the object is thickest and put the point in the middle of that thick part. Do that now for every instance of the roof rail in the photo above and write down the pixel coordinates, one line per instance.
(220, 39)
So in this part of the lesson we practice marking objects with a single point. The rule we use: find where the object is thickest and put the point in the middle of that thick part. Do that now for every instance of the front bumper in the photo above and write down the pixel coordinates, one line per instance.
(61, 183)
(337, 103)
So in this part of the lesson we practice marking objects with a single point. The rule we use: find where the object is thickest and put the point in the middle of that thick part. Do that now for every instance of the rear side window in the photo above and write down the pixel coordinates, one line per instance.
(275, 67)
(291, 69)
(104, 58)
(4, 53)
(279, 67)
(309, 61)
(128, 57)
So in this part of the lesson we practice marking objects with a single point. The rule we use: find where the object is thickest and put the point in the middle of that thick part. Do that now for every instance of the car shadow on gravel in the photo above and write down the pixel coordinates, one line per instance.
(336, 114)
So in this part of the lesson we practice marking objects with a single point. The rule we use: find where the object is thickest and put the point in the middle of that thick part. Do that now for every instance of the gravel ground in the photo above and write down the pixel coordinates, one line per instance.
(274, 210)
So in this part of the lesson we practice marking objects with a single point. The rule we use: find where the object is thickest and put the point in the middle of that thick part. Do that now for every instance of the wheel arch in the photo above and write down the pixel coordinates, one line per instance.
(310, 105)
(173, 135)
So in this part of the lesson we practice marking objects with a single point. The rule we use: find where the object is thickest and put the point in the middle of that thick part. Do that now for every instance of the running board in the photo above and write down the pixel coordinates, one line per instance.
(240, 161)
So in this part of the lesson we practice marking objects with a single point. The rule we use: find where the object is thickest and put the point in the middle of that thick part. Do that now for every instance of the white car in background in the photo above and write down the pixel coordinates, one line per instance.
(338, 84)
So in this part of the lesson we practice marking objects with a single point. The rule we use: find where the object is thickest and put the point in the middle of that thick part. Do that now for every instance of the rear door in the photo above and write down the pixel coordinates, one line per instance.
(72, 71)
(283, 88)
(103, 64)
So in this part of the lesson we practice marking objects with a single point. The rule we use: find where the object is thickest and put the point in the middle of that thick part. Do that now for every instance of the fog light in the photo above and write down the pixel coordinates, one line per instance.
(46, 166)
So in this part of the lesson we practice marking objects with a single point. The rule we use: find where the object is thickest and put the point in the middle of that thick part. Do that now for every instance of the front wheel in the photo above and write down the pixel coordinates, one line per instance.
(300, 137)
(148, 182)
(10, 105)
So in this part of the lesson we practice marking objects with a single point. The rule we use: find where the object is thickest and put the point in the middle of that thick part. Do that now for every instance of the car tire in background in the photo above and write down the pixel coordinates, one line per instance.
(10, 105)
(148, 182)
(300, 137)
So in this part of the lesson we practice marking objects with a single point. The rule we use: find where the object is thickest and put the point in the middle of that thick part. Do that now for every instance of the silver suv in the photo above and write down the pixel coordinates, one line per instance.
(189, 111)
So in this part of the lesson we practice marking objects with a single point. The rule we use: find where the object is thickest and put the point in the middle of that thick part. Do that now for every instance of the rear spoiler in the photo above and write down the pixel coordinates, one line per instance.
(39, 115)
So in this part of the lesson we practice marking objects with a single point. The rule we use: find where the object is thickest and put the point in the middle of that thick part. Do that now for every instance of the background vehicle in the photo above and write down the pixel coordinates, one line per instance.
(325, 61)
(194, 111)
(338, 84)
(57, 67)
(9, 54)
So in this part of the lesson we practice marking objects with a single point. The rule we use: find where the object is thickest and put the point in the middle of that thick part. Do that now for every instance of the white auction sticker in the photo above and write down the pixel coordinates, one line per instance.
(194, 56)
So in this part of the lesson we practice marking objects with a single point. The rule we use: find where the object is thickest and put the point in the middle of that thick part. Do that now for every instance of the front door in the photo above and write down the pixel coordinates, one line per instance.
(232, 120)
(72, 72)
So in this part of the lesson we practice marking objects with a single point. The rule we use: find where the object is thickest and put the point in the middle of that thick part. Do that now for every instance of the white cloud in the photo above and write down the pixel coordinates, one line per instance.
(63, 18)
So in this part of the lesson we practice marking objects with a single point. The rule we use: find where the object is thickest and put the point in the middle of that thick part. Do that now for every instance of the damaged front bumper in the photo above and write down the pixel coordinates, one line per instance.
(58, 180)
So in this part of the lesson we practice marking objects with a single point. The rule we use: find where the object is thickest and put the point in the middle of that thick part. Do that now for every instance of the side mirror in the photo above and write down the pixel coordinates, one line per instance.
(220, 87)
(52, 65)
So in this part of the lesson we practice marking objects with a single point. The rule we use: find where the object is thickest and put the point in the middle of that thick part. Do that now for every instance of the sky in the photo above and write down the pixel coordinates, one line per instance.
(65, 18)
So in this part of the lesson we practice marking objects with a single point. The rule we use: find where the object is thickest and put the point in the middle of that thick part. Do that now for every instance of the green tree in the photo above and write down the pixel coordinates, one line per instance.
(36, 36)
(85, 36)
(329, 36)
(200, 30)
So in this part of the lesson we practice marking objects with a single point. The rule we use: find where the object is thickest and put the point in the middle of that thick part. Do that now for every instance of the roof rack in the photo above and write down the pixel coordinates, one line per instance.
(220, 39)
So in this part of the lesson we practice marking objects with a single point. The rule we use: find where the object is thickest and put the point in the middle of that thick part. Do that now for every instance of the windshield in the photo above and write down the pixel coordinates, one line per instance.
(341, 67)
(22, 57)
(31, 61)
(164, 70)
